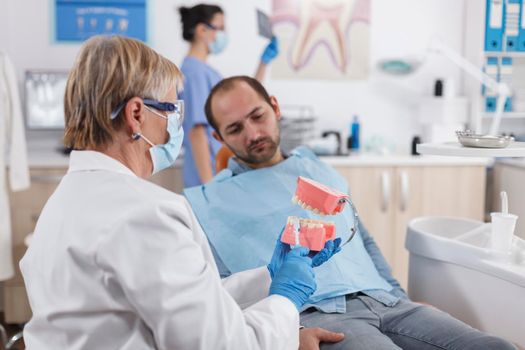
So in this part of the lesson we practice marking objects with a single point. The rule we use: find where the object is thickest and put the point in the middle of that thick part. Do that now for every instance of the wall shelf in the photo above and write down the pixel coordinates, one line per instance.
(515, 149)
(513, 54)
(506, 115)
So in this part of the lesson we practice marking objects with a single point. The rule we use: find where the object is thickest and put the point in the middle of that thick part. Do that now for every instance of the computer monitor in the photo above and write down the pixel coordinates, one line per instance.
(44, 99)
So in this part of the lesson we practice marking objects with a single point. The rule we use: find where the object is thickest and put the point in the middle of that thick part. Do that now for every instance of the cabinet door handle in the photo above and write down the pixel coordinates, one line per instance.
(47, 179)
(385, 187)
(405, 189)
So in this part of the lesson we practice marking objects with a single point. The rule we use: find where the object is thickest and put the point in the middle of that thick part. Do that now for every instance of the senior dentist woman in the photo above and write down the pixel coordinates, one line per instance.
(119, 263)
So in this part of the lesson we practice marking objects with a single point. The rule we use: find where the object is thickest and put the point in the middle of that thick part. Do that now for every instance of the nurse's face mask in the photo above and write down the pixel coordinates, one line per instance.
(163, 155)
(220, 42)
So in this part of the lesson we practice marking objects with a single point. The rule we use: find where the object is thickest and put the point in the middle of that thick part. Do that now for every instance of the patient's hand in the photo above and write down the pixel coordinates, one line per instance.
(309, 338)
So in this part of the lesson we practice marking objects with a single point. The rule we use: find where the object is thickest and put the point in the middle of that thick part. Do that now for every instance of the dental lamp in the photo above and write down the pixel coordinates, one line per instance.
(406, 66)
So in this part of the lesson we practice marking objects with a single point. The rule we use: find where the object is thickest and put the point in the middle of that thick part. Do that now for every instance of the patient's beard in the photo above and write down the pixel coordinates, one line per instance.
(252, 157)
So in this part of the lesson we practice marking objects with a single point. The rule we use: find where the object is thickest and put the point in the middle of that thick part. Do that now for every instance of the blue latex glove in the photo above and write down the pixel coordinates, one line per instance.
(281, 249)
(271, 51)
(279, 253)
(330, 248)
(295, 279)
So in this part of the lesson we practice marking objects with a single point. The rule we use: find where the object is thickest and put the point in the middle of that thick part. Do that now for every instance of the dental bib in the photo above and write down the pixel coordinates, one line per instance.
(243, 215)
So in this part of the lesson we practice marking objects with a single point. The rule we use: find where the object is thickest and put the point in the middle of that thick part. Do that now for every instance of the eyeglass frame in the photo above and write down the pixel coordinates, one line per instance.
(177, 107)
(212, 27)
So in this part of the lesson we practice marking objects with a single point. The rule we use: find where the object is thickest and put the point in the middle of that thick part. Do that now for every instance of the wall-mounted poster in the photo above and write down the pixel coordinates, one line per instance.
(77, 20)
(321, 39)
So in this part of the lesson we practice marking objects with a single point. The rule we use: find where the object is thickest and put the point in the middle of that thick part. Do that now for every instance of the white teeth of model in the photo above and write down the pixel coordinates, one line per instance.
(309, 207)
(294, 199)
(316, 211)
(300, 202)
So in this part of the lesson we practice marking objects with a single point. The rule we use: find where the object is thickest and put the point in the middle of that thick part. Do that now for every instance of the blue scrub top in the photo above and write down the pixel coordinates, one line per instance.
(199, 79)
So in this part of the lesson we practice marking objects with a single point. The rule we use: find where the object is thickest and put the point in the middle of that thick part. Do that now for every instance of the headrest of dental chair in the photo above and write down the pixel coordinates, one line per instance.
(221, 159)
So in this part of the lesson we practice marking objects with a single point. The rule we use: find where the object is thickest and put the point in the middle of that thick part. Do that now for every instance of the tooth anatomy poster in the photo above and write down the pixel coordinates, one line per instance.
(321, 39)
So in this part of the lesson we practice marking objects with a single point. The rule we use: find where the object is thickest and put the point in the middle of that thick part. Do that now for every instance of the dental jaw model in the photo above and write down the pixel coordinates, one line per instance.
(308, 233)
(316, 197)
(321, 200)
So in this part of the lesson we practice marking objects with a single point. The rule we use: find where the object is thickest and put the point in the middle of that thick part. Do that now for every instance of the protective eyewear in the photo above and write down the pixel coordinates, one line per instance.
(212, 27)
(175, 110)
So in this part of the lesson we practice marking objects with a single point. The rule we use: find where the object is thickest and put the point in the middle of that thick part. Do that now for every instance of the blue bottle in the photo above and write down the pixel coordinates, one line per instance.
(355, 133)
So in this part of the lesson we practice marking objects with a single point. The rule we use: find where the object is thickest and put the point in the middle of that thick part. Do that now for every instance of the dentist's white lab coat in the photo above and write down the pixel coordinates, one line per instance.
(12, 145)
(117, 262)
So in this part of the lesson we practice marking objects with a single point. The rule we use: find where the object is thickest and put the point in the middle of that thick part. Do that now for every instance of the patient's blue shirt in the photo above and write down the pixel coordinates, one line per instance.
(243, 210)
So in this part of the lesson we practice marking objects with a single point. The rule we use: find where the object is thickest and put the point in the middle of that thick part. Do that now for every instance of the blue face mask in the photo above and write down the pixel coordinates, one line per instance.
(219, 44)
(164, 155)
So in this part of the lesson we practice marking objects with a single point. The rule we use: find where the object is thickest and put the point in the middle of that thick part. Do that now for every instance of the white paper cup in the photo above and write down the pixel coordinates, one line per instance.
(502, 231)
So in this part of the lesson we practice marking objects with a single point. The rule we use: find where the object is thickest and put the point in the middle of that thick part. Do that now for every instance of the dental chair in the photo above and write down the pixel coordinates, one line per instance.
(7, 344)
(222, 157)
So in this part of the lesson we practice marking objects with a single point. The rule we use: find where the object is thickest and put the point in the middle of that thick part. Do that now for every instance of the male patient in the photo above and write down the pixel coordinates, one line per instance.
(356, 293)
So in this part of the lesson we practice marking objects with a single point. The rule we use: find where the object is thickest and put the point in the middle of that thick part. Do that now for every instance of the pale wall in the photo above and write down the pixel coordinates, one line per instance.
(387, 105)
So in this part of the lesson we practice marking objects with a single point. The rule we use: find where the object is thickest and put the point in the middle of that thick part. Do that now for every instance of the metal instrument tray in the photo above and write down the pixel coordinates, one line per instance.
(470, 139)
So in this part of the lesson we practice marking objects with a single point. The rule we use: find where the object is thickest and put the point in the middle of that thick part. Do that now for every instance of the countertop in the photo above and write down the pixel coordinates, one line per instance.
(46, 154)
(366, 160)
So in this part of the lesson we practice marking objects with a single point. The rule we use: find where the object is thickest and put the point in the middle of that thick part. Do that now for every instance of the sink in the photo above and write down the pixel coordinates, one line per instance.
(444, 227)
(452, 267)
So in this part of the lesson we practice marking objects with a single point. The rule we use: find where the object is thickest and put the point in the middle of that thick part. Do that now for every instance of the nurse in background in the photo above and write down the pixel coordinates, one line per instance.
(203, 27)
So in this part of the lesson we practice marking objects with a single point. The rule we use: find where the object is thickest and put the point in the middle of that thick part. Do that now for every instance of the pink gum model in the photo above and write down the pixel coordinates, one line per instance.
(312, 234)
(312, 195)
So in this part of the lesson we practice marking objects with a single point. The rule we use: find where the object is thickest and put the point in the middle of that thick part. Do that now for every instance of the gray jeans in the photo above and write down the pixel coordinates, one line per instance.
(368, 324)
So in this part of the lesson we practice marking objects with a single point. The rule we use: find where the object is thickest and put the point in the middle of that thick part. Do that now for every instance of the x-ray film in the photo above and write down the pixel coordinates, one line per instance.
(264, 24)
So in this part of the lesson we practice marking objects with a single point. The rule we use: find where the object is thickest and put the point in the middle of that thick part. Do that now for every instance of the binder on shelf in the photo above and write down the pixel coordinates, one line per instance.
(521, 37)
(494, 25)
(512, 24)
(518, 84)
(491, 69)
(505, 76)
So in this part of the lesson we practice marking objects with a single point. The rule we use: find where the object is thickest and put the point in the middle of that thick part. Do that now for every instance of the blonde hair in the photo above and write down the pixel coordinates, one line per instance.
(108, 71)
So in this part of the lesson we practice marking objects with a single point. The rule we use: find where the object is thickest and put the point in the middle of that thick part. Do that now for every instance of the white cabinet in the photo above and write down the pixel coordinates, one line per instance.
(388, 197)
